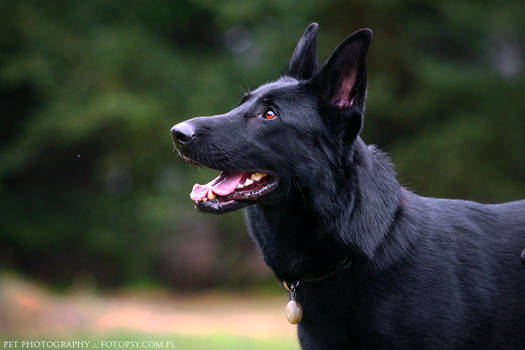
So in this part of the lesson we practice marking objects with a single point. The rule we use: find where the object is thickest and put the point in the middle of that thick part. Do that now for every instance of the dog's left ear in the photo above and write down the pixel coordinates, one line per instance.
(304, 59)
(341, 82)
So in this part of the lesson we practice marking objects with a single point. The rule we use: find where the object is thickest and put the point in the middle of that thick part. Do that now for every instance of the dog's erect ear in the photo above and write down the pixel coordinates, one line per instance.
(304, 59)
(341, 82)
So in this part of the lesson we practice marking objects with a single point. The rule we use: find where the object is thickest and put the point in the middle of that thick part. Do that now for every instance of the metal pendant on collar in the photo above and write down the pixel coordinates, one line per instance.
(293, 310)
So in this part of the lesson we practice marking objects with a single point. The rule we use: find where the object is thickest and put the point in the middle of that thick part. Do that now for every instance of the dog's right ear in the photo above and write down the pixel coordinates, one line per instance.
(304, 59)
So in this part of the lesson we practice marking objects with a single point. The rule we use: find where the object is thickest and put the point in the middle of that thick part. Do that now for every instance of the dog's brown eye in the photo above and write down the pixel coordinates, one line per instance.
(269, 114)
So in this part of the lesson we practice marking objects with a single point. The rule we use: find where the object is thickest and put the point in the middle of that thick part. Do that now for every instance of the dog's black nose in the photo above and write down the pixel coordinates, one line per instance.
(183, 132)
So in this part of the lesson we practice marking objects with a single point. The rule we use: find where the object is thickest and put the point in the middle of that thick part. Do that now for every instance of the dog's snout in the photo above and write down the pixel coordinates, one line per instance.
(183, 132)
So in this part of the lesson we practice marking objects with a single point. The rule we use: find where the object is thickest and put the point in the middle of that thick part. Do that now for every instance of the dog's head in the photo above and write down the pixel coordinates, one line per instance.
(285, 137)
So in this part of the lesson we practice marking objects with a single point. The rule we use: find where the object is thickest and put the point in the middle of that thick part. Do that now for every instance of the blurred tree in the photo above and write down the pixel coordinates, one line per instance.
(90, 188)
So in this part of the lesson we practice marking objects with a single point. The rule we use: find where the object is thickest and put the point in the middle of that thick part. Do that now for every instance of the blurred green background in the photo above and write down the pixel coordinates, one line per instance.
(92, 193)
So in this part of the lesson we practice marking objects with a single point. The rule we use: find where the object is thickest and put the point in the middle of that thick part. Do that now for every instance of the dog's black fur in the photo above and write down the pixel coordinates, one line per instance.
(427, 273)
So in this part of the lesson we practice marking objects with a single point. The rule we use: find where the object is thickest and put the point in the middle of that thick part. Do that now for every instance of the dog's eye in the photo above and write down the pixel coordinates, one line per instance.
(269, 114)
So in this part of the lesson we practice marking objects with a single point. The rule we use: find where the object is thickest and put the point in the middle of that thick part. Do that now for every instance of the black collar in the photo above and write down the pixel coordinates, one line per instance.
(294, 310)
(342, 265)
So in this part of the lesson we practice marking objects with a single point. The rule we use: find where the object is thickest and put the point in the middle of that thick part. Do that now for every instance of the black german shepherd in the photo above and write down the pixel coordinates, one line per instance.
(425, 273)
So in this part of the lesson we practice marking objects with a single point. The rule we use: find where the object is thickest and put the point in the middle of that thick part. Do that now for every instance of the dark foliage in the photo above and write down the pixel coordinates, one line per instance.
(90, 188)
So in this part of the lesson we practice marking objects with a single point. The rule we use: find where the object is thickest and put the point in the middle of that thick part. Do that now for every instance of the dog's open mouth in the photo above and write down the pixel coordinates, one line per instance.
(231, 191)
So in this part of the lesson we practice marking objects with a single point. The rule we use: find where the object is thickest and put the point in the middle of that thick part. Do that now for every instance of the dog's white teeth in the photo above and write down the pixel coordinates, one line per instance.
(204, 199)
(211, 195)
(239, 186)
(257, 176)
(248, 182)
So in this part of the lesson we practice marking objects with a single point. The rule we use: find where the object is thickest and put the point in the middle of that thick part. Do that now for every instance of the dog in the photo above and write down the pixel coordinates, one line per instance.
(373, 265)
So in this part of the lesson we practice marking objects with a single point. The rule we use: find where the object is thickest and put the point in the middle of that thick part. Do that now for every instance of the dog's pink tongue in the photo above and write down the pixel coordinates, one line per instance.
(223, 185)
(227, 183)
(199, 192)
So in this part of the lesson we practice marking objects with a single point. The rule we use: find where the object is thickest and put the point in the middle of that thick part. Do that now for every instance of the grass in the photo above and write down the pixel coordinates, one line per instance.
(213, 321)
(164, 342)
(223, 342)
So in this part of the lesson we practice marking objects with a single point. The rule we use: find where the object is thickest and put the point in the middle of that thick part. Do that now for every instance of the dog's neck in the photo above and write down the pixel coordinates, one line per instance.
(374, 205)
(355, 218)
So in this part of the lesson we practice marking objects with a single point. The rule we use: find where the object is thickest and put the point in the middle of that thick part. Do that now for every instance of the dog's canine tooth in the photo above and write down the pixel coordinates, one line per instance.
(257, 176)
(248, 182)
(211, 195)
(239, 186)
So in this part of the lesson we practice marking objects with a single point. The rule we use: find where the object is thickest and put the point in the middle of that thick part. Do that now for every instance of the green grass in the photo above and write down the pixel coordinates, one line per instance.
(170, 342)
(228, 342)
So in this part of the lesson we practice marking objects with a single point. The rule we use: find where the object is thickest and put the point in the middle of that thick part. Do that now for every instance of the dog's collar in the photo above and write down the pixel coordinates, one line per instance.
(342, 265)
(294, 310)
